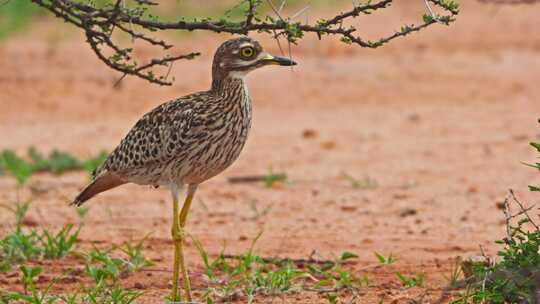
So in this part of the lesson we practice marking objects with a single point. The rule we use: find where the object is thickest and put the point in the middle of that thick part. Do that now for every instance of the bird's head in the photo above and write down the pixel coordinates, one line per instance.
(238, 56)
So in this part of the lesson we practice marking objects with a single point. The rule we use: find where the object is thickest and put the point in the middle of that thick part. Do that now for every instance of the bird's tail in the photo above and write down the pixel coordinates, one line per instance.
(102, 183)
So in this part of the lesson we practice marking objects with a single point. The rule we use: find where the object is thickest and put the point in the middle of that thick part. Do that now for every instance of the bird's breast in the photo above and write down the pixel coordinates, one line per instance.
(224, 138)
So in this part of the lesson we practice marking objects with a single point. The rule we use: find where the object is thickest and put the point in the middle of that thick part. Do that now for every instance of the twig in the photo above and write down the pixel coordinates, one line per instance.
(146, 2)
(300, 12)
(253, 178)
(523, 210)
(251, 12)
(281, 6)
(433, 15)
(507, 218)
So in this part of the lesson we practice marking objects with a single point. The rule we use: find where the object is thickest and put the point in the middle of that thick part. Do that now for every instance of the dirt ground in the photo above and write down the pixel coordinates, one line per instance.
(441, 120)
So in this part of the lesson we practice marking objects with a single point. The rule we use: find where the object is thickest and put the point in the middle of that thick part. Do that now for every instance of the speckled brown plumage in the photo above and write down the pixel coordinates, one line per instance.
(186, 141)
(190, 139)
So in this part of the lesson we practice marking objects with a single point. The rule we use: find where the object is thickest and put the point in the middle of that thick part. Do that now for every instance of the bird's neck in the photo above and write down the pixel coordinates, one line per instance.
(229, 86)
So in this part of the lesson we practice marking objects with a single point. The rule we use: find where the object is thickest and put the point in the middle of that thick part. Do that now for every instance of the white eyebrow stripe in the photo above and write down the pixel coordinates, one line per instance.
(246, 44)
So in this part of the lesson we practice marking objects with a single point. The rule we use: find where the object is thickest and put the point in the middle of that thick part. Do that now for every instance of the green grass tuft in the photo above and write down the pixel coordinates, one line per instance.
(249, 275)
(20, 245)
(102, 266)
(57, 162)
(366, 183)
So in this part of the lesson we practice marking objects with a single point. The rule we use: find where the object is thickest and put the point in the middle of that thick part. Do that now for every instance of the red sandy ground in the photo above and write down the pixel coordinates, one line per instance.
(441, 120)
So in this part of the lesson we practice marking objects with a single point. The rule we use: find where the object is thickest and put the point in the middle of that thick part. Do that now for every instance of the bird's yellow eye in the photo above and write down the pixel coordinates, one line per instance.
(247, 52)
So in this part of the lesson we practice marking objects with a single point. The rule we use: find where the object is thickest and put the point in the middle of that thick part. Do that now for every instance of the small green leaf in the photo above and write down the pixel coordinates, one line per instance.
(536, 146)
(427, 18)
(380, 257)
(348, 255)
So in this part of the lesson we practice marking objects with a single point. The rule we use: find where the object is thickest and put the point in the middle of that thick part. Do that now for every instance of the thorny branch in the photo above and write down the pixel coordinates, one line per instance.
(100, 22)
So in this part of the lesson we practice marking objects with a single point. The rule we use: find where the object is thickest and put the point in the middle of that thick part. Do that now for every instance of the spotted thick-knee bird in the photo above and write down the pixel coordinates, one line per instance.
(188, 140)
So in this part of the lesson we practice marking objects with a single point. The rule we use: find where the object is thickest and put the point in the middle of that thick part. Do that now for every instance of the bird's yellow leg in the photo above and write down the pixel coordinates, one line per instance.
(177, 248)
(182, 222)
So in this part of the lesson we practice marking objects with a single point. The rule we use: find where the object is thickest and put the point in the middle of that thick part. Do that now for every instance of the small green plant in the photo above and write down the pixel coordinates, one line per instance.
(271, 178)
(19, 211)
(57, 162)
(135, 260)
(69, 298)
(15, 166)
(385, 261)
(250, 275)
(102, 266)
(103, 293)
(410, 282)
(28, 275)
(98, 293)
(17, 246)
(105, 270)
(332, 298)
(269, 280)
(21, 245)
(456, 273)
(366, 183)
(515, 276)
(31, 294)
(56, 246)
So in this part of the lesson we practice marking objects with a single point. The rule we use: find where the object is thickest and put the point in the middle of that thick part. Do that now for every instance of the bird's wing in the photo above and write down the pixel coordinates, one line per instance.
(156, 138)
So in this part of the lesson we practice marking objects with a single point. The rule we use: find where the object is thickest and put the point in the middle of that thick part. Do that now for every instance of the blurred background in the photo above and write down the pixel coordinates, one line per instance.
(406, 149)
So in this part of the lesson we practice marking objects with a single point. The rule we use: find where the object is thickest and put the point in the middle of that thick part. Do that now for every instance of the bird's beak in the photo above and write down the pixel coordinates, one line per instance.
(269, 59)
